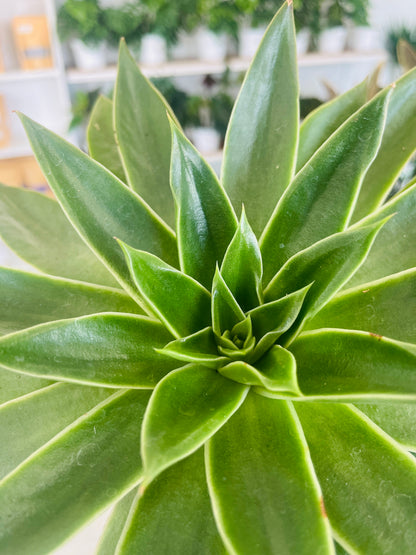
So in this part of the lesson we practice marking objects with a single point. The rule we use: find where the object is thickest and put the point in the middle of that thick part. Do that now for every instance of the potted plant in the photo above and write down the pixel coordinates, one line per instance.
(123, 20)
(361, 37)
(333, 35)
(246, 384)
(218, 22)
(81, 23)
(255, 15)
(308, 24)
(200, 125)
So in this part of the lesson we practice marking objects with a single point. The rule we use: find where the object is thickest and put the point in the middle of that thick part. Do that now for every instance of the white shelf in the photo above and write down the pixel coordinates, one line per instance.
(32, 75)
(16, 149)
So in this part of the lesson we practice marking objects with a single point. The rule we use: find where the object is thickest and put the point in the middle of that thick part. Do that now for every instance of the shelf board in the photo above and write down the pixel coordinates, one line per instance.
(184, 68)
(19, 75)
(16, 149)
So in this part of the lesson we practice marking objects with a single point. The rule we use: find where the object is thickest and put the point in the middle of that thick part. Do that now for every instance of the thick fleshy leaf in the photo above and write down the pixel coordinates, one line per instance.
(35, 227)
(205, 221)
(114, 350)
(368, 482)
(143, 135)
(385, 307)
(101, 138)
(174, 515)
(320, 200)
(260, 146)
(394, 248)
(397, 146)
(265, 495)
(187, 407)
(89, 193)
(29, 422)
(115, 525)
(328, 264)
(91, 464)
(225, 310)
(242, 268)
(397, 419)
(199, 347)
(29, 299)
(276, 371)
(181, 303)
(13, 385)
(354, 364)
(322, 122)
(272, 319)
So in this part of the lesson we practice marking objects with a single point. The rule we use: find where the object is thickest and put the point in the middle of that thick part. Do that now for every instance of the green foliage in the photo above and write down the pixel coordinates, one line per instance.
(83, 19)
(241, 385)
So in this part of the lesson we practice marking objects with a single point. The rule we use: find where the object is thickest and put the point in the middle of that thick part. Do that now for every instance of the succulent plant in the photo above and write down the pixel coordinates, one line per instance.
(244, 385)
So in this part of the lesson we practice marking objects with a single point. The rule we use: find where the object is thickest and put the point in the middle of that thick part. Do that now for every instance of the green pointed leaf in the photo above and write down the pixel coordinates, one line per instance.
(88, 194)
(34, 519)
(115, 525)
(187, 407)
(354, 364)
(174, 515)
(322, 122)
(320, 200)
(272, 319)
(242, 268)
(226, 312)
(398, 145)
(29, 299)
(31, 421)
(179, 301)
(198, 347)
(329, 264)
(13, 385)
(396, 419)
(143, 135)
(35, 227)
(368, 482)
(114, 350)
(385, 307)
(394, 248)
(276, 371)
(270, 479)
(261, 141)
(101, 138)
(205, 220)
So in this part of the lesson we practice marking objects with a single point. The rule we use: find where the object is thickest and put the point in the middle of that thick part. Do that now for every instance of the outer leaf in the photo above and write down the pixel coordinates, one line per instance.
(242, 266)
(226, 312)
(261, 141)
(33, 518)
(29, 299)
(322, 122)
(393, 250)
(88, 194)
(187, 407)
(368, 482)
(329, 264)
(143, 135)
(29, 422)
(35, 227)
(397, 419)
(321, 198)
(101, 138)
(115, 525)
(179, 301)
(199, 347)
(386, 307)
(13, 385)
(174, 515)
(270, 479)
(398, 144)
(205, 220)
(114, 350)
(354, 364)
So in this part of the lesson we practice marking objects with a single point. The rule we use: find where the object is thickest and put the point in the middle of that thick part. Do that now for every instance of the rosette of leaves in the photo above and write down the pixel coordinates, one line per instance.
(243, 384)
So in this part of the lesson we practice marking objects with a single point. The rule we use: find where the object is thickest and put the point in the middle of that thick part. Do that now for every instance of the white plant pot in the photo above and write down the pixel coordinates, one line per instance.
(303, 39)
(364, 39)
(211, 47)
(153, 50)
(249, 39)
(185, 47)
(333, 40)
(88, 58)
(206, 139)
